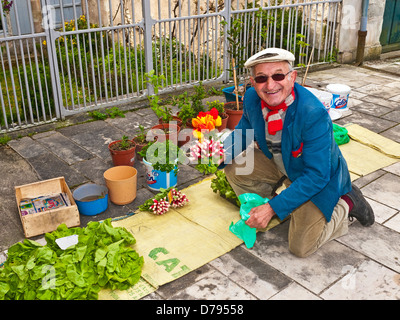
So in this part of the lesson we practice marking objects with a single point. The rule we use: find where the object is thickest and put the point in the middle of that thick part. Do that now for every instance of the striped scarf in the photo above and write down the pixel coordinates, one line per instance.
(273, 118)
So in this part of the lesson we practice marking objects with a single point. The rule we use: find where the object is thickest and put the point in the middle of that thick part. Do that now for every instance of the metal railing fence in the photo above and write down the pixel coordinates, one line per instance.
(86, 54)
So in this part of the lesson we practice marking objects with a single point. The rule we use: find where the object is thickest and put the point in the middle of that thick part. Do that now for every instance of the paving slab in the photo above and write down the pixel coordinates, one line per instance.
(93, 169)
(376, 242)
(385, 190)
(369, 122)
(64, 148)
(393, 223)
(295, 292)
(392, 133)
(382, 212)
(248, 271)
(94, 137)
(130, 124)
(370, 108)
(15, 171)
(215, 286)
(368, 281)
(316, 272)
(49, 166)
(28, 148)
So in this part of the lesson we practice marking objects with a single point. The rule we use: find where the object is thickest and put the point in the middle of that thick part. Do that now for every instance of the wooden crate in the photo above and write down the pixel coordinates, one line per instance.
(47, 221)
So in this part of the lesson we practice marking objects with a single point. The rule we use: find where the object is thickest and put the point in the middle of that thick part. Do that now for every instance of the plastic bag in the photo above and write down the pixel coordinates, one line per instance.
(340, 134)
(240, 228)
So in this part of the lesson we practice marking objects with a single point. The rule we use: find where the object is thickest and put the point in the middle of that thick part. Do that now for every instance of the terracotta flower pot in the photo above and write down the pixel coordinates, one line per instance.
(139, 147)
(121, 183)
(174, 118)
(122, 157)
(234, 114)
(224, 123)
(165, 131)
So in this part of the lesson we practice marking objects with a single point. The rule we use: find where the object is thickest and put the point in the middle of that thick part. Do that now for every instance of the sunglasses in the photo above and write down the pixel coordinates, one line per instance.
(275, 77)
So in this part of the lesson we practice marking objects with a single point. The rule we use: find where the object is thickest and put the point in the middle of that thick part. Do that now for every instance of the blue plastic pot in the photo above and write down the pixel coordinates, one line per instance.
(157, 179)
(91, 199)
(230, 95)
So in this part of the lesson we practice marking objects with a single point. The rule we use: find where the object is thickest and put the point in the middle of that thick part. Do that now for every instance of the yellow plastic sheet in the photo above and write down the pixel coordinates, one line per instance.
(368, 151)
(374, 140)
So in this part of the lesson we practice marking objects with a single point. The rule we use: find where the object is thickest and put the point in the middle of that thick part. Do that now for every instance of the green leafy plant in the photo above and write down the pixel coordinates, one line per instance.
(186, 112)
(123, 144)
(217, 105)
(141, 136)
(190, 106)
(163, 112)
(109, 113)
(164, 156)
(102, 258)
(197, 97)
(303, 45)
(4, 139)
(235, 45)
(221, 185)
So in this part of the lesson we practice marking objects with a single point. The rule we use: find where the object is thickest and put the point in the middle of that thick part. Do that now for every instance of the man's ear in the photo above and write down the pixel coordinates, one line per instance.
(294, 76)
(252, 81)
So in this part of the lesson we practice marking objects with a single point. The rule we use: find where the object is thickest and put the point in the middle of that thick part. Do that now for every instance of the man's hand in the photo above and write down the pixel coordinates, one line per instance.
(260, 216)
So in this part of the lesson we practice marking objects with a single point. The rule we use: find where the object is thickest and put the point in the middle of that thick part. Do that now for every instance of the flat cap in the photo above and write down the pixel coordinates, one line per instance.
(270, 55)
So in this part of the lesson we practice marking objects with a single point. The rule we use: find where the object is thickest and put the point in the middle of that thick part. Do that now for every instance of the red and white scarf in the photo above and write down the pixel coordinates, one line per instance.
(272, 117)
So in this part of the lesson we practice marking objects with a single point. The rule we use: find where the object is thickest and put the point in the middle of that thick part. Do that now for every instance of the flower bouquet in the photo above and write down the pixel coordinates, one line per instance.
(207, 152)
(205, 122)
(163, 200)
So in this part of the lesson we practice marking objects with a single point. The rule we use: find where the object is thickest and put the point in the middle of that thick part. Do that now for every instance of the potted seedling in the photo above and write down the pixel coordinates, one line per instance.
(140, 141)
(165, 130)
(123, 152)
(161, 161)
(235, 49)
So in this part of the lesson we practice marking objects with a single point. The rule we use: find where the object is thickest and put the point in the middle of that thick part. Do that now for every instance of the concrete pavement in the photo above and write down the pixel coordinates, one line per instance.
(364, 264)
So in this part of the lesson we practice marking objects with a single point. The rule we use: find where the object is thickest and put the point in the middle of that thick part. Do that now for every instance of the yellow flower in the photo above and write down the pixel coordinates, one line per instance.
(205, 122)
(44, 42)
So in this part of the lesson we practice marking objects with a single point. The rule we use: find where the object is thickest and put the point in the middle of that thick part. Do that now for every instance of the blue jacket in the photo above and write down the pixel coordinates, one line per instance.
(312, 159)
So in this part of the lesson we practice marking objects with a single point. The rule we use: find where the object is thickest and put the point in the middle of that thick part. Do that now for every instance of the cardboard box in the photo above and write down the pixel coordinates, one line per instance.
(47, 221)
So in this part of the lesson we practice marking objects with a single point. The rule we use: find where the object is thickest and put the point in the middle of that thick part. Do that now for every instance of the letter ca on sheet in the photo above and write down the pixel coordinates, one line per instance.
(170, 264)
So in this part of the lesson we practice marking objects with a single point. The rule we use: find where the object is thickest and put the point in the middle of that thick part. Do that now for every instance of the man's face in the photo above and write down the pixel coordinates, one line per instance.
(273, 92)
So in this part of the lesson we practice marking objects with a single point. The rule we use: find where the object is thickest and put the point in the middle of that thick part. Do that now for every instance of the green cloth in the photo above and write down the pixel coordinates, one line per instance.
(240, 228)
(340, 134)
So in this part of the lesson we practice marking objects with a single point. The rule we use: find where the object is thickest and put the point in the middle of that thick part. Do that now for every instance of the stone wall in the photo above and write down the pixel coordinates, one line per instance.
(349, 25)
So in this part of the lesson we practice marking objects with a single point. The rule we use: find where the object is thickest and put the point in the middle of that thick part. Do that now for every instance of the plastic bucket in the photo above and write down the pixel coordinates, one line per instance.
(121, 183)
(326, 99)
(340, 93)
(91, 199)
(323, 96)
(157, 179)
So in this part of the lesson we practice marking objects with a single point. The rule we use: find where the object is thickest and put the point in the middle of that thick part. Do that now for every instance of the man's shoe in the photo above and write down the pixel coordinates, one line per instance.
(362, 210)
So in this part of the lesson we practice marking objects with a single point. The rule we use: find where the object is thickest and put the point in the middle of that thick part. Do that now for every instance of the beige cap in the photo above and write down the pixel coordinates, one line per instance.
(270, 55)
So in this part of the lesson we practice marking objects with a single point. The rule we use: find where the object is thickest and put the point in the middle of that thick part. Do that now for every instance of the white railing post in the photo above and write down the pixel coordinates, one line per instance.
(148, 23)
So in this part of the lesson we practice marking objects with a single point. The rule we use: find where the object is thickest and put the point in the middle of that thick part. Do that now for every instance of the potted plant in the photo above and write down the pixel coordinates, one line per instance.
(165, 130)
(186, 112)
(123, 152)
(219, 106)
(140, 141)
(161, 161)
(235, 49)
